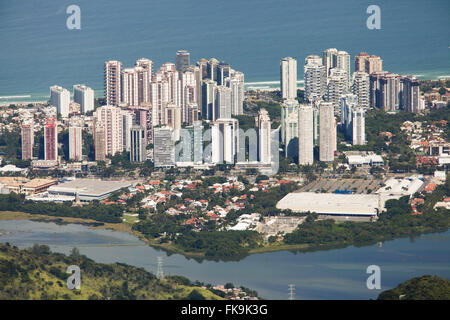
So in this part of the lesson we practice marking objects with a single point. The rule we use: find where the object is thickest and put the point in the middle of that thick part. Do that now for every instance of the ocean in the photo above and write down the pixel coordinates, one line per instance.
(38, 50)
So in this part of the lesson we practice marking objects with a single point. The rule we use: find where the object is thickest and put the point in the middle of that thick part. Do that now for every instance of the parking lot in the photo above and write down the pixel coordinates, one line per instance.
(359, 186)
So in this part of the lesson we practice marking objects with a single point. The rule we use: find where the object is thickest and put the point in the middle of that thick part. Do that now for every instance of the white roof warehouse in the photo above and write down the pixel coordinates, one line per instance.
(332, 204)
(88, 189)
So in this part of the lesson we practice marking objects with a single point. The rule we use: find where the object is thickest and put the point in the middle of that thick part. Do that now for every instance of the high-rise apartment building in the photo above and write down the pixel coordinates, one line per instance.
(361, 88)
(410, 96)
(84, 96)
(328, 134)
(315, 78)
(113, 82)
(99, 141)
(182, 60)
(110, 119)
(203, 65)
(173, 120)
(305, 135)
(263, 126)
(51, 139)
(289, 127)
(222, 103)
(288, 78)
(343, 62)
(163, 147)
(329, 59)
(143, 117)
(236, 83)
(224, 140)
(349, 102)
(60, 98)
(368, 63)
(389, 90)
(75, 140)
(208, 99)
(27, 135)
(336, 88)
(128, 120)
(138, 143)
(223, 72)
(358, 126)
(212, 69)
(190, 148)
(135, 83)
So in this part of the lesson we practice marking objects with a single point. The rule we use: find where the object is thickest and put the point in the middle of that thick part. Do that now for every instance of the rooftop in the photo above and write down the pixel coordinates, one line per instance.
(330, 203)
(93, 187)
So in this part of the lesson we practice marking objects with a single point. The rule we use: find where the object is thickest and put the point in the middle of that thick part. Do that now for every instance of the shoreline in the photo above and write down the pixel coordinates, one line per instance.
(264, 85)
(171, 249)
(122, 227)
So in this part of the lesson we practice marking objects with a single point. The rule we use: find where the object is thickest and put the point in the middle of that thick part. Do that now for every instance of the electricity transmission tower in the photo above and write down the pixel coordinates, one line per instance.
(291, 291)
(160, 272)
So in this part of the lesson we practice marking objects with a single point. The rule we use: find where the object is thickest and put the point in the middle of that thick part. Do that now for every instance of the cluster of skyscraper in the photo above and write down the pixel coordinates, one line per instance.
(331, 91)
(162, 102)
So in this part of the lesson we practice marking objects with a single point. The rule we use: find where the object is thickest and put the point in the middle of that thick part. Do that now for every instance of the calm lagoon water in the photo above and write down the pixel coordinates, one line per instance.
(333, 274)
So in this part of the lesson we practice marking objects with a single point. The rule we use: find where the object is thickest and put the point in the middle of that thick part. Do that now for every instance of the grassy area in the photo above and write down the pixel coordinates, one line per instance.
(36, 273)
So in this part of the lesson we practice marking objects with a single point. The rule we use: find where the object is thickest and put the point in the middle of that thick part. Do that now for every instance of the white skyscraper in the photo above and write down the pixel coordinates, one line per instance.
(361, 88)
(135, 83)
(164, 147)
(208, 99)
(288, 78)
(112, 82)
(173, 119)
(358, 126)
(224, 140)
(60, 98)
(165, 89)
(75, 141)
(305, 135)
(109, 124)
(236, 83)
(336, 88)
(349, 102)
(329, 59)
(343, 63)
(84, 96)
(289, 127)
(327, 127)
(222, 102)
(263, 126)
(315, 78)
(189, 90)
(128, 121)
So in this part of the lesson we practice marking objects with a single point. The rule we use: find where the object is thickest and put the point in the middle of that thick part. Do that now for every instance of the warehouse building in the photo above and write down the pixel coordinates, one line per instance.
(333, 204)
(88, 189)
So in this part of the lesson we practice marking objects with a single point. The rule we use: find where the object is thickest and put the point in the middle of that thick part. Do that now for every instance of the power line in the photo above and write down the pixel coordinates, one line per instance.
(160, 271)
(291, 291)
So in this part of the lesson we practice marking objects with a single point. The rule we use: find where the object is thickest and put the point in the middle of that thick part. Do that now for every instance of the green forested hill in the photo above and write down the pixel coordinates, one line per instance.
(37, 273)
(422, 288)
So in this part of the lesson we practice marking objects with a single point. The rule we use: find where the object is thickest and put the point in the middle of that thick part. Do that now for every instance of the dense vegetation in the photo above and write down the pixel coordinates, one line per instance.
(36, 273)
(219, 245)
(212, 242)
(94, 210)
(421, 288)
(401, 157)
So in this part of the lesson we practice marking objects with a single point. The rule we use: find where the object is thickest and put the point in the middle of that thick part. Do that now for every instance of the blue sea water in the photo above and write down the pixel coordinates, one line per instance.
(37, 50)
